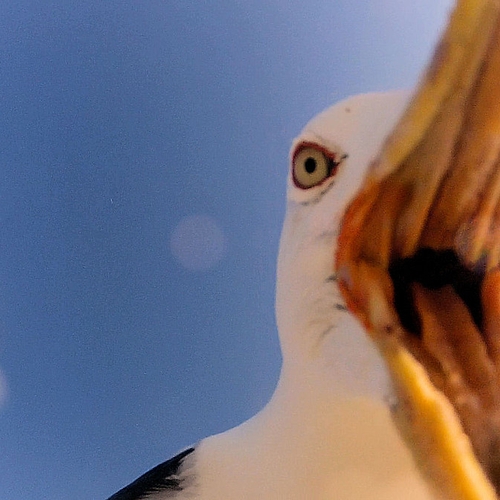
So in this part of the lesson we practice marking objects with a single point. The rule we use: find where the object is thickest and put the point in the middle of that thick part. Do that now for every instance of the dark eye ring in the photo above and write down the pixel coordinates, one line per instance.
(311, 166)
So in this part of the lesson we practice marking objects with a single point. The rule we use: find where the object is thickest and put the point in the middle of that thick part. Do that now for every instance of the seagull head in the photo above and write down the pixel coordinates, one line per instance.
(392, 235)
(321, 340)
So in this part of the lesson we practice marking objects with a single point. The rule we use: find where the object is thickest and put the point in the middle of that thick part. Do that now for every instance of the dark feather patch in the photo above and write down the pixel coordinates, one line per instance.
(161, 478)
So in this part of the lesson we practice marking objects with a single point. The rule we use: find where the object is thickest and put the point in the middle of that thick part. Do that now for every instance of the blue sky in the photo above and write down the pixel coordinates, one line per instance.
(143, 154)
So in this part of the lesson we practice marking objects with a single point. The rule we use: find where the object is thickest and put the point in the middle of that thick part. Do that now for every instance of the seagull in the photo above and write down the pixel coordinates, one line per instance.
(314, 440)
(387, 302)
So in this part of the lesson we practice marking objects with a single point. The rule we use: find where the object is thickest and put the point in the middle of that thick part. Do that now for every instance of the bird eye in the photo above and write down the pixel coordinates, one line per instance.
(311, 167)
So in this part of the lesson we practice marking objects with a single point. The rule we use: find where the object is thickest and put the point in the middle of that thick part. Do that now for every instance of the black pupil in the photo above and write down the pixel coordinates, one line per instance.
(310, 165)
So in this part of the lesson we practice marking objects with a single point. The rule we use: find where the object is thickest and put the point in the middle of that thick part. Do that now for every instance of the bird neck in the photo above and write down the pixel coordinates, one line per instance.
(307, 444)
(325, 432)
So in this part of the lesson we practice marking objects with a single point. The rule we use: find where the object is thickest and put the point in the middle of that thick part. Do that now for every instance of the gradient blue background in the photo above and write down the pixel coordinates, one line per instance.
(118, 119)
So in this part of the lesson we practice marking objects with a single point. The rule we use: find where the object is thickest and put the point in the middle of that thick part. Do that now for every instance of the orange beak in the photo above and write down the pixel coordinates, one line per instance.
(419, 255)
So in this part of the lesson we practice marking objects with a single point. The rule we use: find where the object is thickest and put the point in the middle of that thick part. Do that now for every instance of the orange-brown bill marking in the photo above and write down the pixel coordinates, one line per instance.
(434, 190)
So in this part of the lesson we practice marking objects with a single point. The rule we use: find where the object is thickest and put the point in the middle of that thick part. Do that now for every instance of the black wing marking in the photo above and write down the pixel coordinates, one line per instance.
(163, 477)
